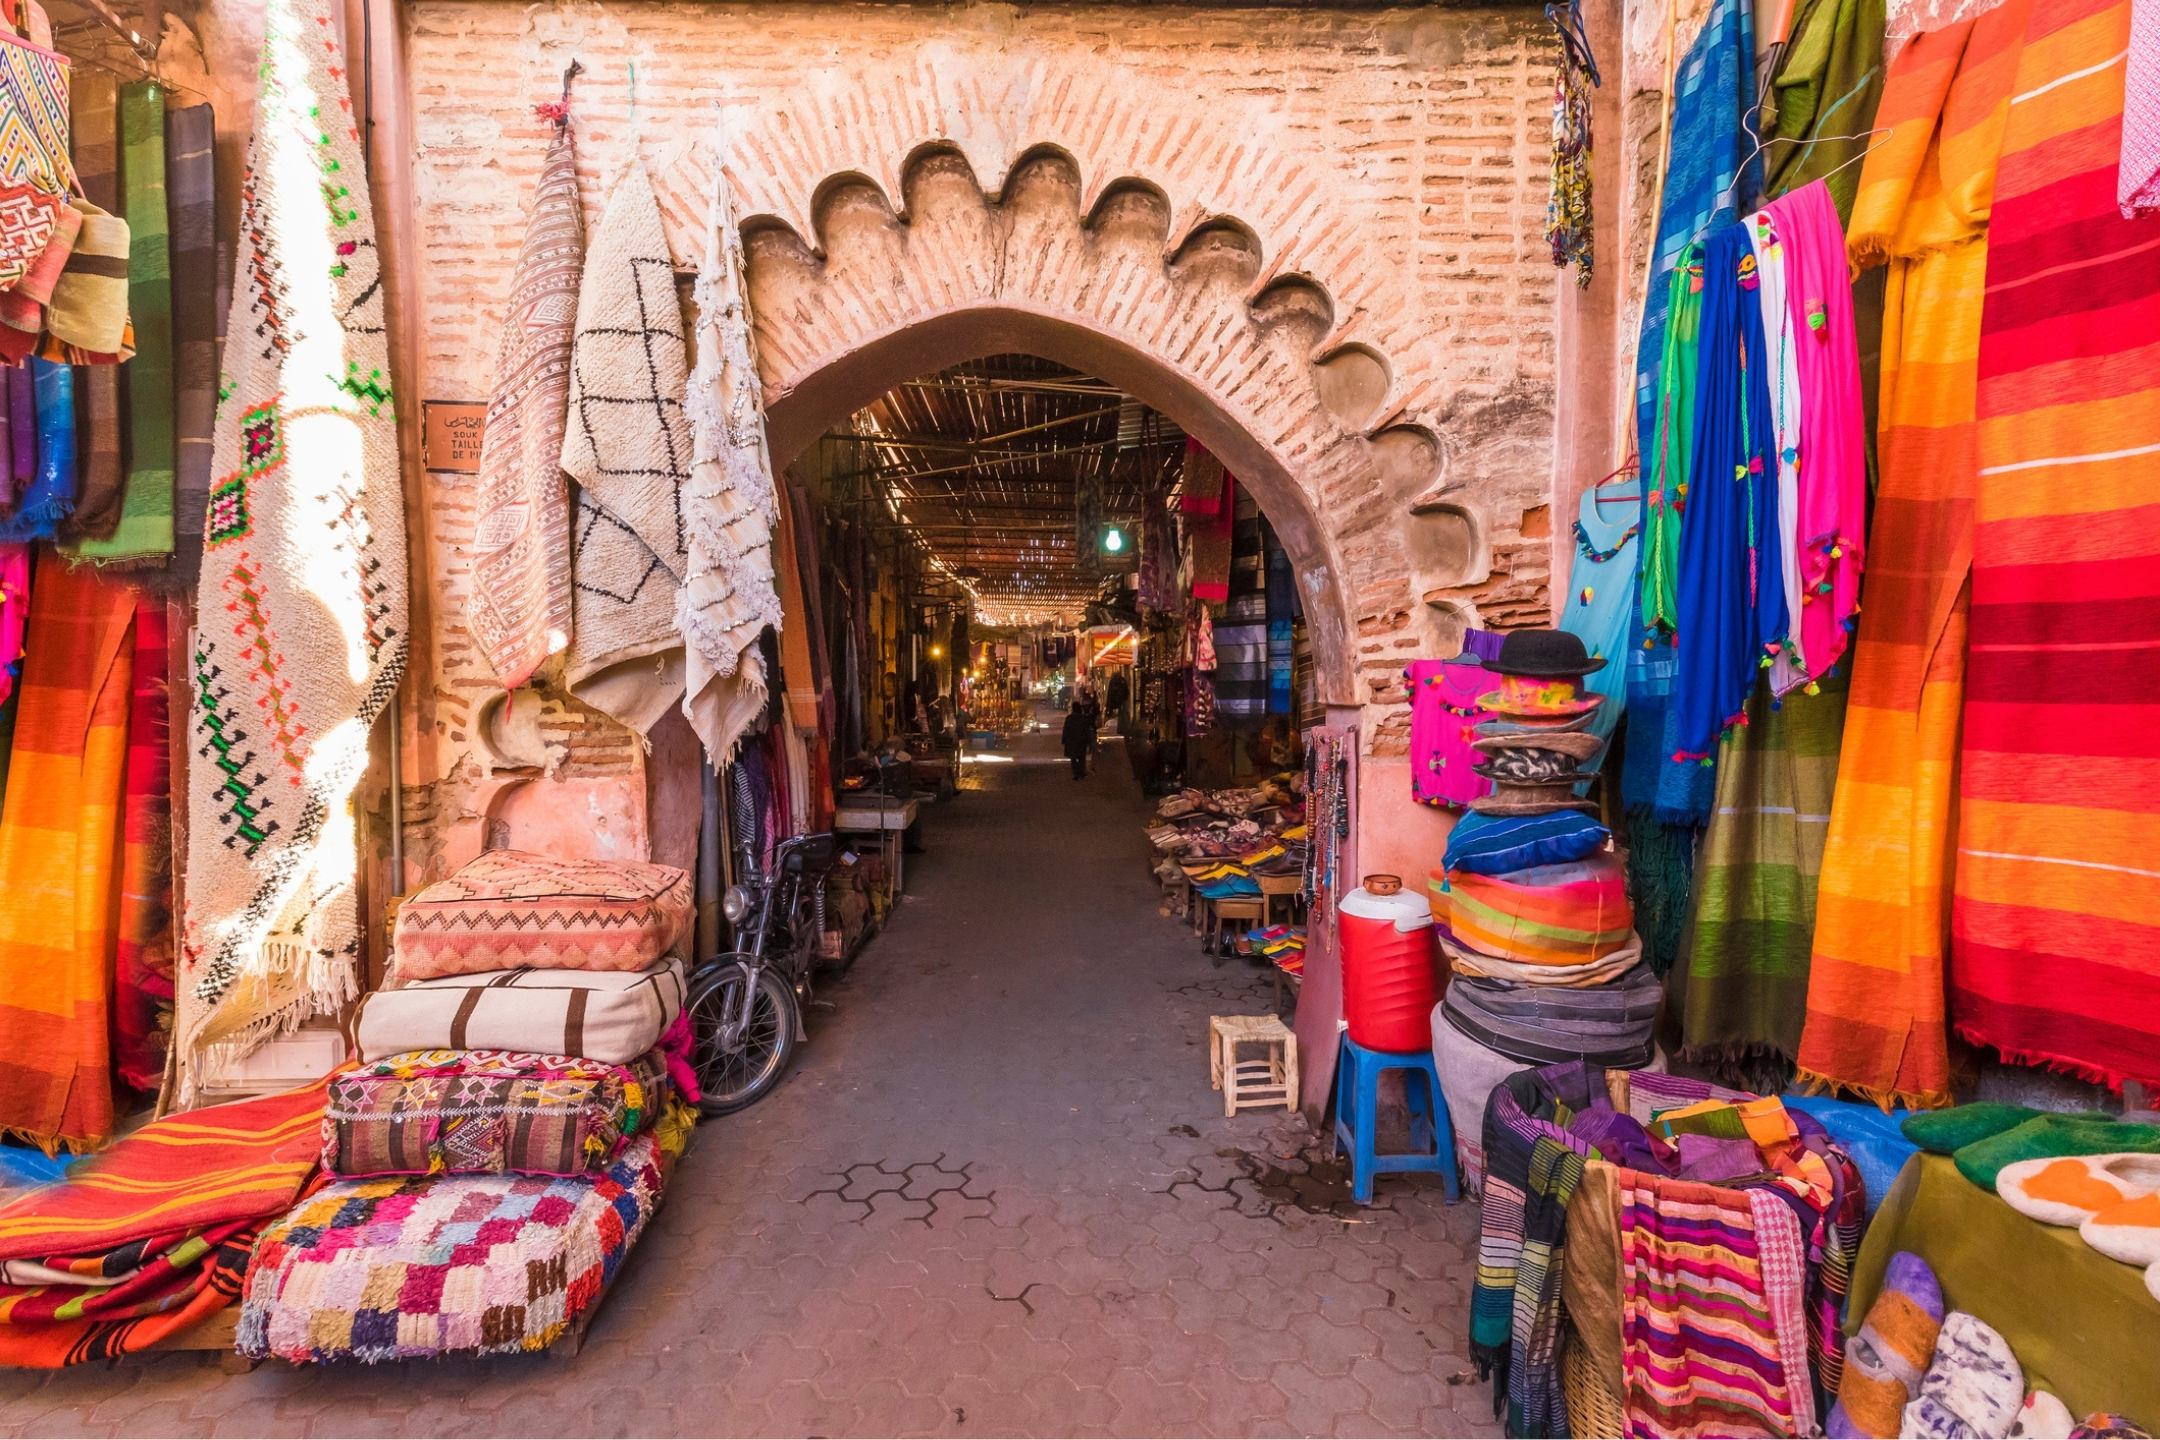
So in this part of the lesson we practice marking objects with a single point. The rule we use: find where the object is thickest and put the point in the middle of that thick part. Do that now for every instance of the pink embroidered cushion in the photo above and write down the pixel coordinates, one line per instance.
(509, 909)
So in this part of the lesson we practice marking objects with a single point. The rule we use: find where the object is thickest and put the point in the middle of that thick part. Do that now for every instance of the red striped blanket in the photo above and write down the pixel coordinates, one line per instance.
(2055, 953)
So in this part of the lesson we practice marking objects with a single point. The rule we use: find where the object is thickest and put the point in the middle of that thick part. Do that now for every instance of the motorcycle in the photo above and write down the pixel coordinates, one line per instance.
(746, 1004)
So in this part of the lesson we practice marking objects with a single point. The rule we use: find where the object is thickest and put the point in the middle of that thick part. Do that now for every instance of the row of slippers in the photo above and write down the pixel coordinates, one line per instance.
(2113, 1200)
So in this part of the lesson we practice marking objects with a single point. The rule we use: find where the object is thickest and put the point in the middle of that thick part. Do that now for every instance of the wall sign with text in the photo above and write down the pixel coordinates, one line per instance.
(450, 434)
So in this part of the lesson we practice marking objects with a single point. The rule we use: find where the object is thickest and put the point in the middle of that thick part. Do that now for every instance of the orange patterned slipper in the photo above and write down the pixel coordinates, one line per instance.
(2071, 1189)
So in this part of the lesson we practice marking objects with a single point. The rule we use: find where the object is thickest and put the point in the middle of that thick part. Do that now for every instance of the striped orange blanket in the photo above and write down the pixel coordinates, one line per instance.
(152, 1236)
(1875, 985)
(2056, 949)
(59, 834)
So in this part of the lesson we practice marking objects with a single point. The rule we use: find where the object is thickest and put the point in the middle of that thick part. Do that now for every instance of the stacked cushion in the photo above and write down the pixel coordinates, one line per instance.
(609, 1016)
(509, 909)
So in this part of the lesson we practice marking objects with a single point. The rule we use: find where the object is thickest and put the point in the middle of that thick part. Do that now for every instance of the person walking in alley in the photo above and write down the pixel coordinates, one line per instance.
(1078, 736)
(1117, 696)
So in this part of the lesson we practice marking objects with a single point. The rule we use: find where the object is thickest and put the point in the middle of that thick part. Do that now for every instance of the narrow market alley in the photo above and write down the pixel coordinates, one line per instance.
(995, 1197)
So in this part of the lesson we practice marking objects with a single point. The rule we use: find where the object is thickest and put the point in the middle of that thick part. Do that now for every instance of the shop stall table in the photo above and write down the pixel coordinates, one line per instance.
(888, 820)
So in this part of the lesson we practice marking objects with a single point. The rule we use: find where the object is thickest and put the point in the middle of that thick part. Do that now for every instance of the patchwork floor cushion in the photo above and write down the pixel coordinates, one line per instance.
(424, 1266)
(609, 1016)
(509, 909)
(435, 1112)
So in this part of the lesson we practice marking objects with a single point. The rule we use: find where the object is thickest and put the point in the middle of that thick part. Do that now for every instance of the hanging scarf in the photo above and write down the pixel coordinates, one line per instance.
(1821, 101)
(1742, 988)
(191, 192)
(144, 532)
(1567, 208)
(58, 839)
(1732, 605)
(1665, 494)
(520, 609)
(1532, 1167)
(2056, 942)
(302, 597)
(627, 445)
(1709, 170)
(1781, 373)
(39, 405)
(1875, 980)
(143, 962)
(2137, 190)
(728, 596)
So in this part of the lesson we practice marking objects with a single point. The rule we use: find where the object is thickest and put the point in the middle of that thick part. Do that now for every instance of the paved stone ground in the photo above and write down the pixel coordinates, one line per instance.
(996, 1197)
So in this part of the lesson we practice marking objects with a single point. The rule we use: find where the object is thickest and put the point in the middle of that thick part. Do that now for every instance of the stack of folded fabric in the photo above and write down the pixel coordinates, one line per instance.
(526, 1074)
(1282, 946)
(1532, 904)
(151, 1237)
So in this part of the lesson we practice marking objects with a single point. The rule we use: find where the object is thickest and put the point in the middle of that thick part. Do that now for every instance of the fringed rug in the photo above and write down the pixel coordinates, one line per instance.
(728, 594)
(419, 1267)
(520, 612)
(628, 447)
(302, 638)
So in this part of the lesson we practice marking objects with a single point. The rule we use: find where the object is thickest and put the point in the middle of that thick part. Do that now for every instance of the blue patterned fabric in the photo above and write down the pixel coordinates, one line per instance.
(1713, 93)
(1499, 844)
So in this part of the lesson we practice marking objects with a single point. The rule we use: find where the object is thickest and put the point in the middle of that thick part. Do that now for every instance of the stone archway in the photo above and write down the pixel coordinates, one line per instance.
(1188, 317)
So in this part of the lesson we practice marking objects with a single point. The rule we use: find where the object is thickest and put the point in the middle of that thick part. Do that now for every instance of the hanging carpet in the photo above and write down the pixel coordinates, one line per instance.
(59, 834)
(302, 639)
(1875, 981)
(2055, 950)
(627, 444)
(520, 611)
(728, 594)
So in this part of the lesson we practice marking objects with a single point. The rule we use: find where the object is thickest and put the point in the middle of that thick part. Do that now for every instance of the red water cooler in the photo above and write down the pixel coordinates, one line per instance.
(1390, 974)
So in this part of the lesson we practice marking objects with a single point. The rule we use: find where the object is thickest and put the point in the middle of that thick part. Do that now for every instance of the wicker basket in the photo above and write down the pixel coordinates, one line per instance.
(1593, 1410)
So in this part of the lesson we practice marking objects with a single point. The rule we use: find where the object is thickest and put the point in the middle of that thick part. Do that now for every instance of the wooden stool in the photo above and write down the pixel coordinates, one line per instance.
(1267, 1079)
(1284, 888)
(1250, 909)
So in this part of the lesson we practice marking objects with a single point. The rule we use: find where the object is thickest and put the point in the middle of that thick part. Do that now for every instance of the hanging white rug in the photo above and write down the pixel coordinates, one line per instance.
(730, 508)
(627, 444)
(301, 612)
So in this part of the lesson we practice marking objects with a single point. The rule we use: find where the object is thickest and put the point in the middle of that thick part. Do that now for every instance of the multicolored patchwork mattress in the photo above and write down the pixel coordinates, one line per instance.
(435, 1112)
(415, 1267)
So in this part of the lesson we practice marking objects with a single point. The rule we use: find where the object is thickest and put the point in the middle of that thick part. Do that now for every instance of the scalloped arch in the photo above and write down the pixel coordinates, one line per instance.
(1185, 316)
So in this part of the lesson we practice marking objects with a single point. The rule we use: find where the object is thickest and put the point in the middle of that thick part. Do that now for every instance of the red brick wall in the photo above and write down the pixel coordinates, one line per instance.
(1314, 236)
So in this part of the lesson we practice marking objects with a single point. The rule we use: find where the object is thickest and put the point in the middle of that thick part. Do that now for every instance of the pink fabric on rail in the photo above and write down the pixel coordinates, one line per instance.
(1833, 444)
(2138, 183)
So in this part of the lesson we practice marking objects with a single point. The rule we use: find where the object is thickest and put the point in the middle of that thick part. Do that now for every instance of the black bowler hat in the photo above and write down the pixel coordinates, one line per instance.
(1543, 655)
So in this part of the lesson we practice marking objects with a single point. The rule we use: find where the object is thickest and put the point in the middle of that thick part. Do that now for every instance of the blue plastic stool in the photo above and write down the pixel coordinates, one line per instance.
(1357, 1104)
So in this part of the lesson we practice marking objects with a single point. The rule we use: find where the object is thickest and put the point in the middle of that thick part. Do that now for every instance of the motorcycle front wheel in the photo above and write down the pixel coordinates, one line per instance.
(732, 1079)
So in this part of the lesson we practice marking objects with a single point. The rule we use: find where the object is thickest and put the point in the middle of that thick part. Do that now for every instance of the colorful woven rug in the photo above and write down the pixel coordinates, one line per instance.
(2056, 946)
(434, 1112)
(520, 609)
(421, 1267)
(143, 533)
(302, 597)
(1713, 1340)
(152, 1236)
(628, 447)
(143, 961)
(1875, 983)
(58, 840)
